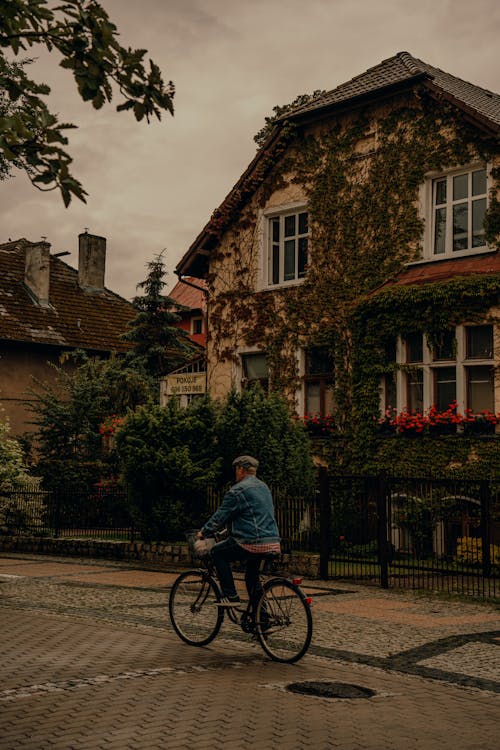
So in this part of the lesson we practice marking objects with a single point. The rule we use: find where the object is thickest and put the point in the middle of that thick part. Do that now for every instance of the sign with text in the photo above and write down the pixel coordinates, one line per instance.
(185, 383)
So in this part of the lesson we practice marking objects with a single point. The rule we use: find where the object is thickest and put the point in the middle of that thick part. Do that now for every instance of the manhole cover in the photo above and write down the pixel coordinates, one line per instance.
(330, 689)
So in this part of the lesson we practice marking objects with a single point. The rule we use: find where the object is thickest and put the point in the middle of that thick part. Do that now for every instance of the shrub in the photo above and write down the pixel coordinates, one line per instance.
(252, 423)
(167, 456)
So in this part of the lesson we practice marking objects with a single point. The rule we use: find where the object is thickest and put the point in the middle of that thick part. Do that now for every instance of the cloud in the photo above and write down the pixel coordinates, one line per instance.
(154, 187)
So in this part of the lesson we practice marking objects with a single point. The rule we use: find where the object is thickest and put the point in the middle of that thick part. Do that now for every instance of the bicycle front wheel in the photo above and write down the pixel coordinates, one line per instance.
(193, 609)
(283, 621)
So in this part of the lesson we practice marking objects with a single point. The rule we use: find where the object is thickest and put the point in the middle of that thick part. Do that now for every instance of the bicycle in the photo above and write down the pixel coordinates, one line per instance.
(281, 621)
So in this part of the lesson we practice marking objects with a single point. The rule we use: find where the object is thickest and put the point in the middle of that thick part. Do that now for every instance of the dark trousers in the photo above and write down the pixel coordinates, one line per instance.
(228, 551)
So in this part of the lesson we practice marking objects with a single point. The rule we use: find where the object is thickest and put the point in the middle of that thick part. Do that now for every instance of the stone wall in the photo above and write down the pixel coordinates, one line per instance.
(162, 553)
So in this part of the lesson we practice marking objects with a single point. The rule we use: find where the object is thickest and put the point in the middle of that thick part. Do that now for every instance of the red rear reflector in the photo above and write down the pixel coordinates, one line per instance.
(309, 600)
(297, 581)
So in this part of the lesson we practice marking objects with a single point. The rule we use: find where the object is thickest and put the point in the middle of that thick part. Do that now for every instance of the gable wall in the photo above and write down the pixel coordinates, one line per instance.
(19, 365)
(235, 299)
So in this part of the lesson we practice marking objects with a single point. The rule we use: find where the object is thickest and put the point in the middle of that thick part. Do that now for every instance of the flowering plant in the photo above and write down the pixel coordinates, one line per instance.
(110, 425)
(317, 424)
(433, 421)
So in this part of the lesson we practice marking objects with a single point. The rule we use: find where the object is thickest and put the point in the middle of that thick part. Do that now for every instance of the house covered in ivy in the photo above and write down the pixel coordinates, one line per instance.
(355, 264)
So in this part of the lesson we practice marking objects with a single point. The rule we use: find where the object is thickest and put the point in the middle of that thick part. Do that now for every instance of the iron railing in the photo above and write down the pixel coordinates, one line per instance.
(97, 513)
(421, 533)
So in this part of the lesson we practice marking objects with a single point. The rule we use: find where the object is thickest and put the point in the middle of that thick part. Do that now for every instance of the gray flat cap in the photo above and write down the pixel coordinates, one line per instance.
(248, 462)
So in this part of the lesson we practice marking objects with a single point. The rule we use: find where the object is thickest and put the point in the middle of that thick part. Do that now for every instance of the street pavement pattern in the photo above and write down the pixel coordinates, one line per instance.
(89, 661)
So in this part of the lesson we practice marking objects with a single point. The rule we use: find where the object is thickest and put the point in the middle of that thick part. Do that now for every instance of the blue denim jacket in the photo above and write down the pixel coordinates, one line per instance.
(247, 511)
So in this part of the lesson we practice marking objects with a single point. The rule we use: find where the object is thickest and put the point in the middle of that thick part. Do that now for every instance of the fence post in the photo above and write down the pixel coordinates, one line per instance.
(485, 494)
(57, 511)
(383, 542)
(324, 523)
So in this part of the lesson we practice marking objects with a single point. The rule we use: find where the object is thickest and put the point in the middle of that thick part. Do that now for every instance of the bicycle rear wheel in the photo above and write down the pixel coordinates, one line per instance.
(283, 621)
(193, 609)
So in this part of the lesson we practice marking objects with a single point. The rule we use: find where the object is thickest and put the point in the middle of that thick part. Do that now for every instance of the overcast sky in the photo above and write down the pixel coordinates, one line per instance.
(154, 186)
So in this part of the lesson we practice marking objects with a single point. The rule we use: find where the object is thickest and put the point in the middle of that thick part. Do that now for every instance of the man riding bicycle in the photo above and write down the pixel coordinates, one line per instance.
(248, 513)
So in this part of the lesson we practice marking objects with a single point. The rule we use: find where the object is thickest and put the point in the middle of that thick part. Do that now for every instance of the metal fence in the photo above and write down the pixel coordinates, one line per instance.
(424, 533)
(419, 533)
(98, 513)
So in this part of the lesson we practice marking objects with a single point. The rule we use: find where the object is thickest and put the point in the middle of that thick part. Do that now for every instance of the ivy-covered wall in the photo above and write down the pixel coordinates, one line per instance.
(360, 176)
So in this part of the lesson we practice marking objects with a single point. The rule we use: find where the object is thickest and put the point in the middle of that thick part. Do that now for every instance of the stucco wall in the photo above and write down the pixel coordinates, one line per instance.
(18, 366)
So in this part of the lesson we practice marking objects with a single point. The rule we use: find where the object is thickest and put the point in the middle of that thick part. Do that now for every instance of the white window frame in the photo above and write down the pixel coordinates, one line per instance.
(429, 366)
(238, 373)
(265, 216)
(426, 210)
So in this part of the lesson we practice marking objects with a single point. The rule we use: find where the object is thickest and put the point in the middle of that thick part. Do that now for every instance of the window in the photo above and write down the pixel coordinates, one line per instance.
(196, 326)
(458, 366)
(414, 348)
(457, 204)
(287, 247)
(479, 342)
(415, 390)
(480, 389)
(318, 381)
(445, 347)
(255, 369)
(445, 387)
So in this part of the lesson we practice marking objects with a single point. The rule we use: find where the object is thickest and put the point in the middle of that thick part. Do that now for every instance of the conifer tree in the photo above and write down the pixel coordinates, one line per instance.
(158, 345)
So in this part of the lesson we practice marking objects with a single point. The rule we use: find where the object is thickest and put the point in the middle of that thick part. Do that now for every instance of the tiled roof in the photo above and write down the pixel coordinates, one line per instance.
(425, 273)
(76, 318)
(398, 69)
(188, 296)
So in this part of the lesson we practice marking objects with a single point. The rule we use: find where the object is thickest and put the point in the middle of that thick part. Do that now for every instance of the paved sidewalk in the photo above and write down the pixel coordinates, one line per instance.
(90, 661)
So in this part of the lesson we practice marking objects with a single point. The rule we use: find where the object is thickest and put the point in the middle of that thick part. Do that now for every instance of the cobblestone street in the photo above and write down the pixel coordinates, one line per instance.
(89, 660)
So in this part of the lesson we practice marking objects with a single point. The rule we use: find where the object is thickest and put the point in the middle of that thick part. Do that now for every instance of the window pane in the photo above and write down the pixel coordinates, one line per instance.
(390, 391)
(445, 347)
(302, 256)
(415, 383)
(255, 366)
(440, 196)
(276, 265)
(289, 260)
(303, 223)
(290, 225)
(446, 387)
(439, 231)
(479, 182)
(460, 190)
(480, 389)
(275, 227)
(319, 361)
(312, 398)
(460, 220)
(479, 341)
(414, 348)
(478, 211)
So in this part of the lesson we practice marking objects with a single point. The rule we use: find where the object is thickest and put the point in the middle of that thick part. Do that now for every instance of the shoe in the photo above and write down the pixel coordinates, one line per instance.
(228, 601)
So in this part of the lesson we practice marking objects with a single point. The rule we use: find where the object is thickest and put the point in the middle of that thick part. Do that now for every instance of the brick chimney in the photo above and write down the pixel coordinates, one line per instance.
(91, 261)
(37, 271)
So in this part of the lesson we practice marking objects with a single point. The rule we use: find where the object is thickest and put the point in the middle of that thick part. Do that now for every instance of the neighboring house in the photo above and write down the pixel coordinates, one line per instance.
(191, 293)
(355, 263)
(189, 382)
(47, 308)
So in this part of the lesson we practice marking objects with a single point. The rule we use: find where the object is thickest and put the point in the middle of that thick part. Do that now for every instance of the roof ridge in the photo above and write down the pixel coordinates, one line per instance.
(428, 68)
(410, 62)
